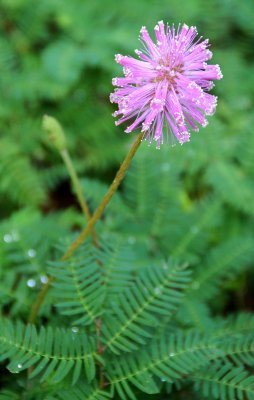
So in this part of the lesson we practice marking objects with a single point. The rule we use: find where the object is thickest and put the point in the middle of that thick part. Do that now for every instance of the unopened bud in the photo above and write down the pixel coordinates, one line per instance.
(55, 132)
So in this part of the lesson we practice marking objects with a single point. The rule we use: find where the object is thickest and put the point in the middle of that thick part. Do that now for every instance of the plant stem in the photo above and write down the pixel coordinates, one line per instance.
(100, 351)
(76, 185)
(84, 207)
(97, 214)
(106, 199)
(89, 229)
(75, 181)
(38, 302)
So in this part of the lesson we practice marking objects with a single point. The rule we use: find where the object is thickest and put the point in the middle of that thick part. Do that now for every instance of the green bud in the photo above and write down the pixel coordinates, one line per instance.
(55, 132)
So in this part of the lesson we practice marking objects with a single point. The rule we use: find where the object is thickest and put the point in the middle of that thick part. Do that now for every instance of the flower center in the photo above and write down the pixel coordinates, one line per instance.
(164, 71)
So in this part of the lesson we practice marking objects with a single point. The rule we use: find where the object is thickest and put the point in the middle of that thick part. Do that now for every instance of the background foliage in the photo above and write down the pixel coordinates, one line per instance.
(189, 206)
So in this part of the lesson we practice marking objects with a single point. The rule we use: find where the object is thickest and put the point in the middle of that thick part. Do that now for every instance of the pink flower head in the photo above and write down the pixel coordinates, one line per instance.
(166, 89)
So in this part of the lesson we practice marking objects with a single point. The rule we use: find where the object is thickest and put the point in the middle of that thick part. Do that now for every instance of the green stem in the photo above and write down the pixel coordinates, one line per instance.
(97, 214)
(77, 188)
(39, 300)
(106, 199)
(75, 181)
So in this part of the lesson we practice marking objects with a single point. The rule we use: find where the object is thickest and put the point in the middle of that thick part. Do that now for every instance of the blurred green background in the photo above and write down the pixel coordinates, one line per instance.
(195, 202)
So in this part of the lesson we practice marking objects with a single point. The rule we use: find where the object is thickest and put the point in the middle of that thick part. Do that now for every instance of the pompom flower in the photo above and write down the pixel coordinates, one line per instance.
(165, 91)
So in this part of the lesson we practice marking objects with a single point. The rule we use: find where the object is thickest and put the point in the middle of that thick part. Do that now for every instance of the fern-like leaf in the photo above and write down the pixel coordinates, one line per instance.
(240, 349)
(156, 292)
(232, 185)
(167, 359)
(193, 231)
(195, 314)
(19, 181)
(53, 354)
(222, 263)
(172, 357)
(119, 263)
(224, 382)
(78, 285)
(235, 325)
(83, 392)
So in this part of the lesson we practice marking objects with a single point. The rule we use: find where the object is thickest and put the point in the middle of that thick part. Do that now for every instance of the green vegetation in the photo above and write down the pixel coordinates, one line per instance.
(159, 304)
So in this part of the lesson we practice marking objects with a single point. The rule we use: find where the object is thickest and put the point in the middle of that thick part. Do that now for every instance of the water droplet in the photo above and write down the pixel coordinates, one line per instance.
(171, 354)
(31, 283)
(74, 329)
(163, 379)
(44, 279)
(157, 290)
(8, 238)
(131, 240)
(11, 237)
(195, 285)
(15, 368)
(31, 253)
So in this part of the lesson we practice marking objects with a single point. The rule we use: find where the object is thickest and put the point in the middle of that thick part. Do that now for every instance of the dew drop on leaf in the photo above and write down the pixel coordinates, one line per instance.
(15, 369)
(31, 253)
(44, 279)
(31, 283)
(8, 238)
(11, 237)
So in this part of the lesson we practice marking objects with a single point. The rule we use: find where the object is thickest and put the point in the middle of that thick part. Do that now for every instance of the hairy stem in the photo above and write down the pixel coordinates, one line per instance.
(106, 199)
